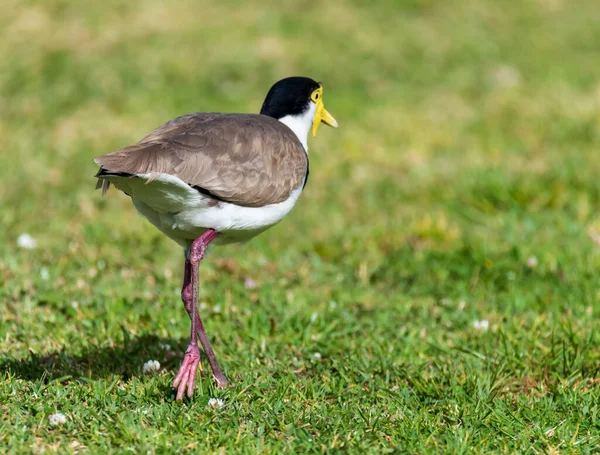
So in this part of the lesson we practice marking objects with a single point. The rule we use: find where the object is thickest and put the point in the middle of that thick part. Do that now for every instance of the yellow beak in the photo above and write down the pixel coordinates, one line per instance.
(322, 116)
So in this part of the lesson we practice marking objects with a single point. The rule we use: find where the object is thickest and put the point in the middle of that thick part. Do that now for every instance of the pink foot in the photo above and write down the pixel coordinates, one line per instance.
(187, 372)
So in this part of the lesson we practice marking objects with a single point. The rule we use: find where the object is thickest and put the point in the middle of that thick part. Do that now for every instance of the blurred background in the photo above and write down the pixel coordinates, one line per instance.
(457, 118)
(463, 182)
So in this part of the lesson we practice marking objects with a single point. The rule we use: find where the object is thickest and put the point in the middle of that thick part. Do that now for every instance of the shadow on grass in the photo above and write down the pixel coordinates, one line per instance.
(96, 362)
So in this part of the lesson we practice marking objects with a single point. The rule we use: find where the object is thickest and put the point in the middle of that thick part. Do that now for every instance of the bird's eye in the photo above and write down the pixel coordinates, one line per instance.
(317, 96)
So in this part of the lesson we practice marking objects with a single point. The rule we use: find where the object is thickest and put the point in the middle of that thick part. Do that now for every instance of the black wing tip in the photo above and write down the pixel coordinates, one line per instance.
(105, 184)
(103, 171)
(102, 183)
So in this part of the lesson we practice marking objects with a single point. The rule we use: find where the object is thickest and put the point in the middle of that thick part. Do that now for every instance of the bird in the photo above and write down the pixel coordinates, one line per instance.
(212, 178)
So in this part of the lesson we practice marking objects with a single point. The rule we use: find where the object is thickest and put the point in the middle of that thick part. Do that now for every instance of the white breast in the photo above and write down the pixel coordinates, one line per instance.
(183, 213)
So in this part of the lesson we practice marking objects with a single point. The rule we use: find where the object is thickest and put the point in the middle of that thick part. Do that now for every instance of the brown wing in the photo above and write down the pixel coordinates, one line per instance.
(246, 159)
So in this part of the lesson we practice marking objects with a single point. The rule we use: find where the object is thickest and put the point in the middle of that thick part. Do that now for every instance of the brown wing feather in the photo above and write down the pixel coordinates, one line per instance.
(246, 159)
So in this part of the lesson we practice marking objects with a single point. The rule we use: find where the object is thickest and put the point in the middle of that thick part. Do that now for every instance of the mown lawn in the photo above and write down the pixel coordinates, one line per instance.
(435, 290)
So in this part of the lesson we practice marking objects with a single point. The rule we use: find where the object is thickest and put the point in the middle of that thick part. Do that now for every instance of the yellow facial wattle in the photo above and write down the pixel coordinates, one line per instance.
(321, 114)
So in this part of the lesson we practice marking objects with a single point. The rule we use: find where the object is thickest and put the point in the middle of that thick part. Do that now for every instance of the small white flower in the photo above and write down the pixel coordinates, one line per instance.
(57, 419)
(250, 283)
(165, 346)
(151, 366)
(482, 325)
(215, 403)
(532, 262)
(26, 241)
(313, 317)
(44, 273)
(317, 355)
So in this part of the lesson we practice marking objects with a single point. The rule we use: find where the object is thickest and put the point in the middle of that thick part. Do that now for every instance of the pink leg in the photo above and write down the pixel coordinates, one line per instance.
(189, 293)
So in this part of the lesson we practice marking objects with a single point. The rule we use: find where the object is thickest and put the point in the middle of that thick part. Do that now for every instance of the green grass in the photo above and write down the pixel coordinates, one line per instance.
(468, 144)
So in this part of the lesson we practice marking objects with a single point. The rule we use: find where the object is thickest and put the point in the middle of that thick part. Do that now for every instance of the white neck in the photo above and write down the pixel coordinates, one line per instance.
(301, 124)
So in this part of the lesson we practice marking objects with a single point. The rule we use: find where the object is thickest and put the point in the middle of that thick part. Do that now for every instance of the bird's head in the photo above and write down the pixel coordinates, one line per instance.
(298, 102)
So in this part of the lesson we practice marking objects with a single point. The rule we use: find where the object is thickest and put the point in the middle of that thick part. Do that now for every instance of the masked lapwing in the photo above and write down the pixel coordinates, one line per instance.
(212, 178)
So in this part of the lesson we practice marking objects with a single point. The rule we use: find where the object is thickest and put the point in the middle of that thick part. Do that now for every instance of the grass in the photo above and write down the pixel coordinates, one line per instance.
(462, 186)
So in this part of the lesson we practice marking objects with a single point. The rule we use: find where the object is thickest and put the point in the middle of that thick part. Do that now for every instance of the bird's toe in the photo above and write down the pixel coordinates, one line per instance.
(186, 376)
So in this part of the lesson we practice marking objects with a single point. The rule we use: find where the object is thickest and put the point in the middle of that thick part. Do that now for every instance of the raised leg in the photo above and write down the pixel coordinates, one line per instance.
(189, 293)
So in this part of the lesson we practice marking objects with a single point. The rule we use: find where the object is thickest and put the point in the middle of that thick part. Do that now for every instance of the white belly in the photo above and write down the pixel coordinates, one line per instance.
(183, 214)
